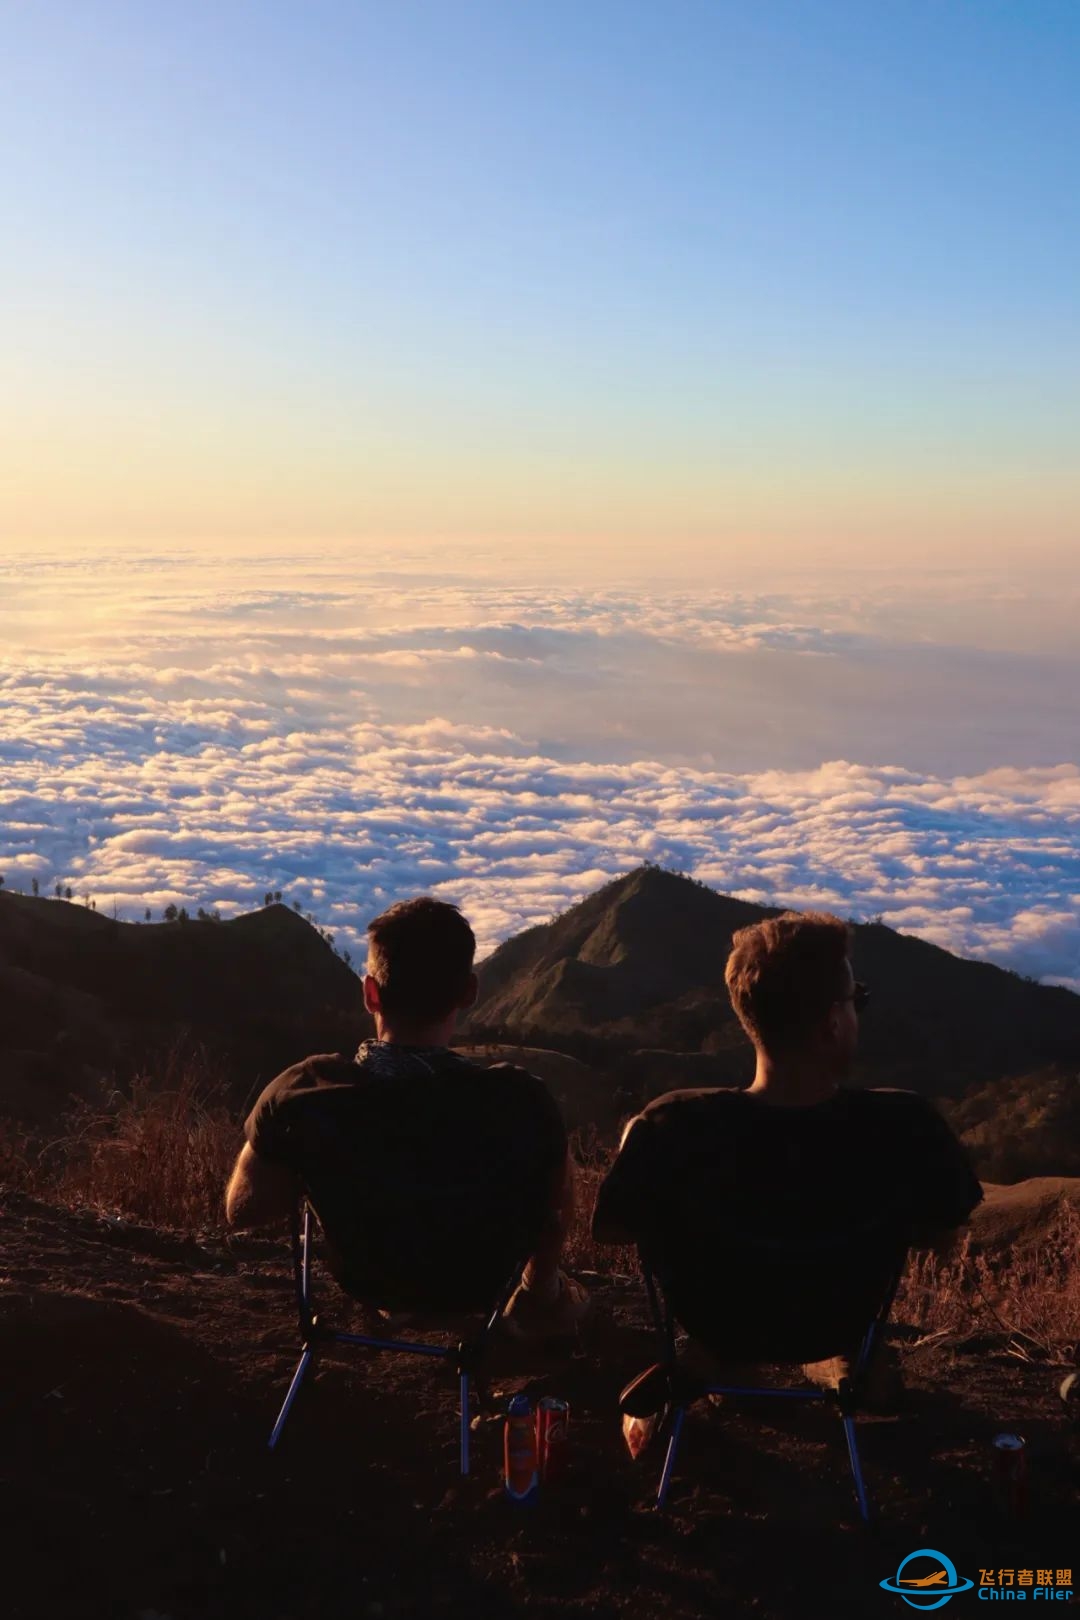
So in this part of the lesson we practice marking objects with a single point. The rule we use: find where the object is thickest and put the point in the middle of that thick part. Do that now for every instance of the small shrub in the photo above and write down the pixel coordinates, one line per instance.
(592, 1160)
(1029, 1298)
(161, 1152)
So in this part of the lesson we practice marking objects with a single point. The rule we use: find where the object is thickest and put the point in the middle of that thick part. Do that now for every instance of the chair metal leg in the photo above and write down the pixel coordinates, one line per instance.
(305, 1259)
(856, 1469)
(297, 1379)
(669, 1460)
(312, 1334)
(464, 1423)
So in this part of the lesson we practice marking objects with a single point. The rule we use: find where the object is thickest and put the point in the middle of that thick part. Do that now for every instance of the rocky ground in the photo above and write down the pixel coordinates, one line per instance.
(140, 1372)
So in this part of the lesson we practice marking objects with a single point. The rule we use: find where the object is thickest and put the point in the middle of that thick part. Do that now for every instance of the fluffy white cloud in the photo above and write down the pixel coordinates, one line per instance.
(165, 737)
(145, 804)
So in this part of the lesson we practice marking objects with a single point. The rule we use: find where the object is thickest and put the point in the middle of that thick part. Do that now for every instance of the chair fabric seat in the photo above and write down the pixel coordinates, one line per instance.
(800, 1300)
(444, 1253)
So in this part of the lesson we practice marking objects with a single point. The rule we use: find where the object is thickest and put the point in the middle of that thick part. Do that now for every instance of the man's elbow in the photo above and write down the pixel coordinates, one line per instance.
(250, 1214)
(233, 1206)
(237, 1204)
(259, 1193)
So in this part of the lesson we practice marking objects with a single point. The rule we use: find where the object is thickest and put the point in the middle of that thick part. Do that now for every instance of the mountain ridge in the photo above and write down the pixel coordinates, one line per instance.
(638, 966)
(629, 981)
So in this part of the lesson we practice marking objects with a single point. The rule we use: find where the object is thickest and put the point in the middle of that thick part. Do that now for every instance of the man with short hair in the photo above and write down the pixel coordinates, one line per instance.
(433, 1178)
(794, 1155)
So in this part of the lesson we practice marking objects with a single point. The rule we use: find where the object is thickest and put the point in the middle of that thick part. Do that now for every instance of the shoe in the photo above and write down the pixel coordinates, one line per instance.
(828, 1373)
(529, 1316)
(397, 1321)
(640, 1432)
(882, 1384)
(645, 1404)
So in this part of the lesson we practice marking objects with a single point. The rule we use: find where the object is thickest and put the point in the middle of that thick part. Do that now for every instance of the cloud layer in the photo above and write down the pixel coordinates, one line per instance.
(165, 738)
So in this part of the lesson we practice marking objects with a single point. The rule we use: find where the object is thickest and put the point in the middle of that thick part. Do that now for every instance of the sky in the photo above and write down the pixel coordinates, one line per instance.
(721, 282)
(476, 447)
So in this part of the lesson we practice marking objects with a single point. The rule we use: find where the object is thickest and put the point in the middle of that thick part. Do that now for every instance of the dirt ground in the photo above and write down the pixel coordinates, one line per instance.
(141, 1372)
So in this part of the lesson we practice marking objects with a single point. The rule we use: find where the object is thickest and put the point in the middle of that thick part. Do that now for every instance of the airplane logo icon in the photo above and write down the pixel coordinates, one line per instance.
(932, 1590)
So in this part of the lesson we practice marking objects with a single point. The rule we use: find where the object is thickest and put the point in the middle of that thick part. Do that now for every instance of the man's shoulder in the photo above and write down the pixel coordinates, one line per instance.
(702, 1114)
(905, 1119)
(694, 1101)
(888, 1101)
(500, 1073)
(511, 1080)
(511, 1074)
(288, 1096)
(514, 1099)
(312, 1073)
(327, 1065)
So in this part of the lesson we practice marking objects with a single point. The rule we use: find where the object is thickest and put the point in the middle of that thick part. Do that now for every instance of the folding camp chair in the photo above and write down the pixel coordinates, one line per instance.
(466, 1356)
(670, 1385)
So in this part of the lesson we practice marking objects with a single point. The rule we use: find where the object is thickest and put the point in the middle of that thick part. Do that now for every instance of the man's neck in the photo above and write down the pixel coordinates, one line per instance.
(793, 1082)
(414, 1034)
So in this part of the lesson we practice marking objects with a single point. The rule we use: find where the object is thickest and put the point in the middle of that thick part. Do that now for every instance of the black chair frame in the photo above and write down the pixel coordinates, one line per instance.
(466, 1357)
(680, 1388)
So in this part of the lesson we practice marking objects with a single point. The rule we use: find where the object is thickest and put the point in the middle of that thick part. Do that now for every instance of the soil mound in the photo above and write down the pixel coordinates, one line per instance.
(141, 1371)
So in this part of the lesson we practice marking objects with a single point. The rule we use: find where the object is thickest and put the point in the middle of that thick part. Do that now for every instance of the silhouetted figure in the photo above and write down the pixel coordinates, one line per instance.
(431, 1177)
(797, 1155)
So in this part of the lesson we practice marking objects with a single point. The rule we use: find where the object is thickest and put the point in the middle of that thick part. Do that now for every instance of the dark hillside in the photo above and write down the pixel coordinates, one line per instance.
(84, 996)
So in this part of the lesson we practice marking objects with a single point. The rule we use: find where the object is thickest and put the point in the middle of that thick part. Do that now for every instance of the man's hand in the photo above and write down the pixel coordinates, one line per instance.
(259, 1193)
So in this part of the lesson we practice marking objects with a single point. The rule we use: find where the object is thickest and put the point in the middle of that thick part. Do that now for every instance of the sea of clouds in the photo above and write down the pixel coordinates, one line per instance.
(352, 729)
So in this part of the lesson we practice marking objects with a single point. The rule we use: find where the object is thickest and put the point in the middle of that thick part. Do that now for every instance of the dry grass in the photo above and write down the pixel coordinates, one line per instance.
(592, 1158)
(162, 1153)
(1030, 1299)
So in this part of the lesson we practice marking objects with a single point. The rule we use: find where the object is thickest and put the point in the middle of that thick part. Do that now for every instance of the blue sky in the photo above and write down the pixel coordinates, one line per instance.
(766, 270)
(517, 440)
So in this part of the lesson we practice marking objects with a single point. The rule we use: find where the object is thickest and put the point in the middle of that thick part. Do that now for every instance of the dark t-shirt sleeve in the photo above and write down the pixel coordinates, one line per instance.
(625, 1194)
(270, 1126)
(940, 1187)
(262, 1128)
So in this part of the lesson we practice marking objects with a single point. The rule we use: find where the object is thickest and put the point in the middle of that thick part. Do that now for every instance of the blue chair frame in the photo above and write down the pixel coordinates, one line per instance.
(682, 1389)
(467, 1356)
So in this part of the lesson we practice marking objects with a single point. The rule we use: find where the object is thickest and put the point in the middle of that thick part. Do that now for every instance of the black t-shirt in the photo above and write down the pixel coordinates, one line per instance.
(432, 1177)
(706, 1181)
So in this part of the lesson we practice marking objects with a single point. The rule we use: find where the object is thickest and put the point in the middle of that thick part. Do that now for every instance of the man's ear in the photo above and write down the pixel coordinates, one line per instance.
(371, 995)
(472, 991)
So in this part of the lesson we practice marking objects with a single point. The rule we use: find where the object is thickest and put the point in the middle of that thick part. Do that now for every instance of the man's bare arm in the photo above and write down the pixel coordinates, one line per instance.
(259, 1193)
(608, 1225)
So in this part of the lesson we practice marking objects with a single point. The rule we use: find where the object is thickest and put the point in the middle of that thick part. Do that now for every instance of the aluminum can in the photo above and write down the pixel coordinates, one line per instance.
(1011, 1474)
(552, 1436)
(521, 1473)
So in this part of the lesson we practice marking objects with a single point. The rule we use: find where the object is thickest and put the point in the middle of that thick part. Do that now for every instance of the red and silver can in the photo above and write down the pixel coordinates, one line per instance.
(552, 1436)
(521, 1471)
(1011, 1474)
